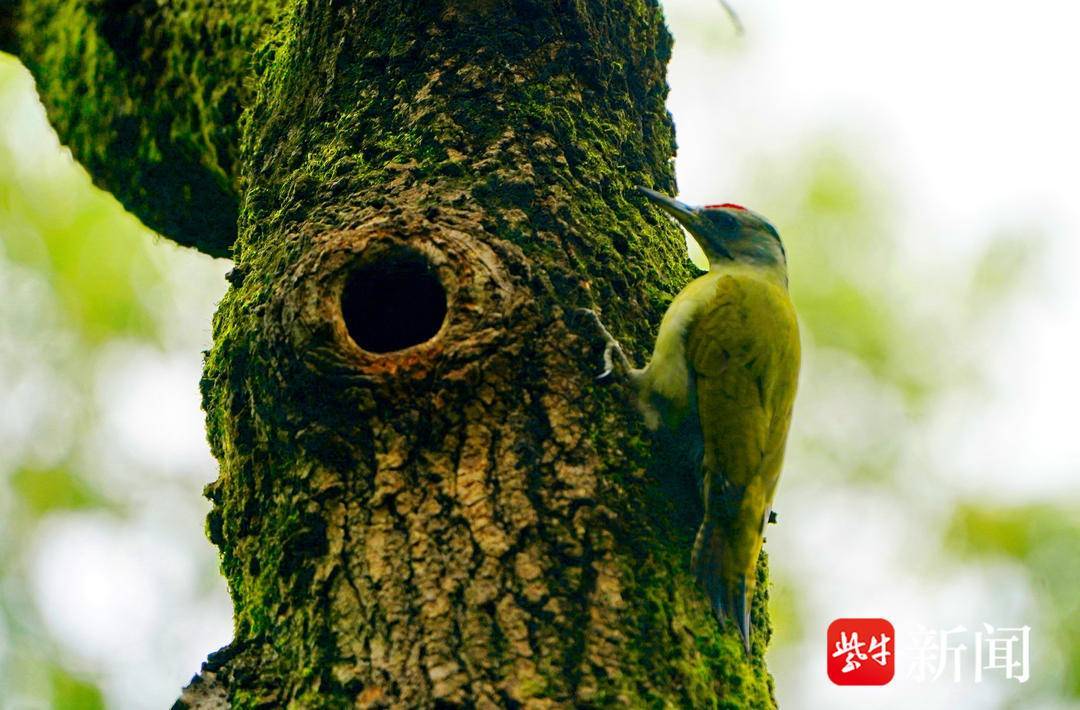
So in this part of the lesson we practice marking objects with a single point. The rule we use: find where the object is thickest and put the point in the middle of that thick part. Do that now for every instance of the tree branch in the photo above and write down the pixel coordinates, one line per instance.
(148, 97)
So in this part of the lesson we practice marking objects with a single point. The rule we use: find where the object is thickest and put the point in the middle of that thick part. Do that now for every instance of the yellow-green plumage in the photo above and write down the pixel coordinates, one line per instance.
(728, 353)
(724, 368)
(744, 353)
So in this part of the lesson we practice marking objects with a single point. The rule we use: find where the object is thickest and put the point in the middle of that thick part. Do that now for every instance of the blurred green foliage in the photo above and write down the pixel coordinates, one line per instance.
(71, 253)
(93, 255)
(78, 275)
(1045, 540)
(71, 693)
(842, 252)
(43, 491)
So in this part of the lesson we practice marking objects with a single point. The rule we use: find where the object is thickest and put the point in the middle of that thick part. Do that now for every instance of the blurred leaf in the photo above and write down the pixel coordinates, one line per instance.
(45, 491)
(1014, 532)
(72, 693)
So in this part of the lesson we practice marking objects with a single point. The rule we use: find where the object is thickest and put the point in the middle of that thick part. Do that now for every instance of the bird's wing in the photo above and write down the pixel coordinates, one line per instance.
(666, 388)
(743, 352)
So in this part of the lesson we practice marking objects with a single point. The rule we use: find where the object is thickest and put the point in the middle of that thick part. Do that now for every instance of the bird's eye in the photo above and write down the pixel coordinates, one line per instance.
(723, 221)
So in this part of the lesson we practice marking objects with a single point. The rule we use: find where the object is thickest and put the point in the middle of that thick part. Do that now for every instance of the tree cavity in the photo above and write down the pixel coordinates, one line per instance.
(393, 302)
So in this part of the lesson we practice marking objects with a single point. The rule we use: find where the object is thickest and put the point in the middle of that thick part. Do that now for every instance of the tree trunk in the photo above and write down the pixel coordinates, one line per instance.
(425, 498)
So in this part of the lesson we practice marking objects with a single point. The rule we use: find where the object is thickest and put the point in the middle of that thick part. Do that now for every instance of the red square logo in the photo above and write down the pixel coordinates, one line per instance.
(861, 651)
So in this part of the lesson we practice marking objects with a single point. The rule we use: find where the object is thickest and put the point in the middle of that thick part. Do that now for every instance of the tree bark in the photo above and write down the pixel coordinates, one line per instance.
(425, 498)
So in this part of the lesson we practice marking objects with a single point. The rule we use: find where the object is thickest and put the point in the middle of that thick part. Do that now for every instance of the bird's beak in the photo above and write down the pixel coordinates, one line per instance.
(689, 218)
(679, 210)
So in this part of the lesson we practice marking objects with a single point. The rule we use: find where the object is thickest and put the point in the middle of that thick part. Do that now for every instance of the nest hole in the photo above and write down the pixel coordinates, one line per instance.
(393, 302)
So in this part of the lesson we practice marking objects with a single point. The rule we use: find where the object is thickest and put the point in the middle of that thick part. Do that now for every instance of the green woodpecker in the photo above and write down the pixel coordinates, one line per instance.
(723, 374)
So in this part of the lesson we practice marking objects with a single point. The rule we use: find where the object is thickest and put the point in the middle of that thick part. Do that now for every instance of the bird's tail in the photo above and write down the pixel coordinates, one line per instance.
(740, 610)
(728, 589)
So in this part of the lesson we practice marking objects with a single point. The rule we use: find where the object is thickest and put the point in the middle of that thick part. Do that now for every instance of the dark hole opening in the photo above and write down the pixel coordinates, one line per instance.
(393, 302)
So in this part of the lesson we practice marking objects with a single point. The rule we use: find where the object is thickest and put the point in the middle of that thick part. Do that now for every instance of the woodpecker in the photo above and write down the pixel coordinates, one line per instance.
(723, 375)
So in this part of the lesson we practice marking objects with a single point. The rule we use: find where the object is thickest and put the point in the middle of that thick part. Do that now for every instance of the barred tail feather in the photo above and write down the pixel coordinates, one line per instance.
(727, 591)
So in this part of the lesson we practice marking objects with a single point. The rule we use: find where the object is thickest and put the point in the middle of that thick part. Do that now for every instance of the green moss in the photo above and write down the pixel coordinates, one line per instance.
(147, 96)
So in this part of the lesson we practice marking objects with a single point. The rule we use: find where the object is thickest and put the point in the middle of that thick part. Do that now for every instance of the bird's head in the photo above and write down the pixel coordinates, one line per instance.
(727, 232)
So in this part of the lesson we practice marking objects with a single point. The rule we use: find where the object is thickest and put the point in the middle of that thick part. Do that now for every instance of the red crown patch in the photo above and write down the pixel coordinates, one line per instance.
(729, 205)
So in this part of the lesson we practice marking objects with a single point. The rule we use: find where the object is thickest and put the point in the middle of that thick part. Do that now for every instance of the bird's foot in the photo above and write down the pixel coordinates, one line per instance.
(611, 346)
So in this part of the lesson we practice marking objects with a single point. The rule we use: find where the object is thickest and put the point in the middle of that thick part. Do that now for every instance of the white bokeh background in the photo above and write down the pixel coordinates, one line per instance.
(964, 118)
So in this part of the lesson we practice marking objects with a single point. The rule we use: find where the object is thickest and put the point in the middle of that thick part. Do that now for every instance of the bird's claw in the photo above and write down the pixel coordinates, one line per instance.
(609, 364)
(611, 346)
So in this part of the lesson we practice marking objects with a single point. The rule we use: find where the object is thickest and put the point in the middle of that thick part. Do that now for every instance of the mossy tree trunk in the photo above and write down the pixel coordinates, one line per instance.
(425, 499)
